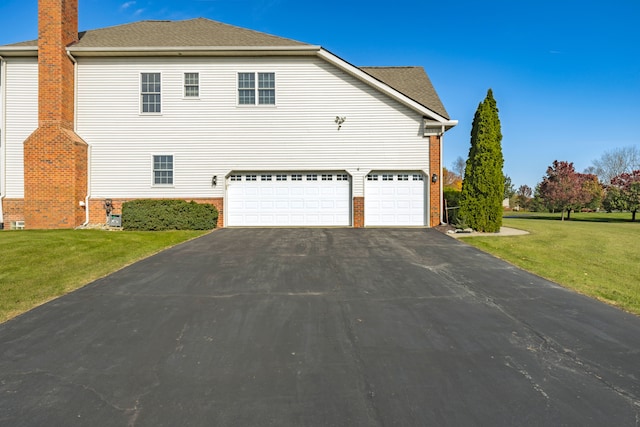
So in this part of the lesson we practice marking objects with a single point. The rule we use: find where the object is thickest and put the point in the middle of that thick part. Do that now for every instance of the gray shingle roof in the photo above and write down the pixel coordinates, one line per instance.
(199, 32)
(412, 82)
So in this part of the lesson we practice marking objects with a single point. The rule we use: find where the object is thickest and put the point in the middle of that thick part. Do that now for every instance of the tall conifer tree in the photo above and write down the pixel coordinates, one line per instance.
(483, 185)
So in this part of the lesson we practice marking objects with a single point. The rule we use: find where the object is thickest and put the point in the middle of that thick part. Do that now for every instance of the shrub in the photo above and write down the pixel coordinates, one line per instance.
(157, 215)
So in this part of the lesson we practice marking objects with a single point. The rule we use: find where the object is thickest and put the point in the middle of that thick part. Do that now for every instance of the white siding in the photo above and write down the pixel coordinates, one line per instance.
(213, 135)
(21, 117)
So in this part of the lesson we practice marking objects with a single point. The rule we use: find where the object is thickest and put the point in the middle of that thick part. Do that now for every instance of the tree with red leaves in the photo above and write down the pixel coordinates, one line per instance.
(564, 189)
(624, 193)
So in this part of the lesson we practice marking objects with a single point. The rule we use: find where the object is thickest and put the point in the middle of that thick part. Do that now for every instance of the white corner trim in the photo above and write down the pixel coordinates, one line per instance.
(3, 133)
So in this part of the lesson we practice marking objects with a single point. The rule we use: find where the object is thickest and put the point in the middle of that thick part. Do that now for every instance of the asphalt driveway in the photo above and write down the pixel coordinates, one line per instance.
(321, 327)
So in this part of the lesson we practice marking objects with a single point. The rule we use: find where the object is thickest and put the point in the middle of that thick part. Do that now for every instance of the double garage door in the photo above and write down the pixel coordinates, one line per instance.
(322, 199)
(289, 199)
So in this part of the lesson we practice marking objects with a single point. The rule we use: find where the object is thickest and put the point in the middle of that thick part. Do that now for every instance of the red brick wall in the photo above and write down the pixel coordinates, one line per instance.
(13, 210)
(55, 158)
(434, 188)
(97, 214)
(55, 178)
(57, 28)
(358, 212)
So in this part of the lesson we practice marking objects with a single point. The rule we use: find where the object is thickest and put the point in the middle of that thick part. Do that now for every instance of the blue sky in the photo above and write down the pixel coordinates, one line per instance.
(565, 73)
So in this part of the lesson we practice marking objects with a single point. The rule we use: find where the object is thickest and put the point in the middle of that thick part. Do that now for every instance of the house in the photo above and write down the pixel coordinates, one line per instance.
(271, 131)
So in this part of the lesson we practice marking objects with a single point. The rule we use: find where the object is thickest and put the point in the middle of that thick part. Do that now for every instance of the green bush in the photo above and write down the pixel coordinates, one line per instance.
(452, 197)
(157, 215)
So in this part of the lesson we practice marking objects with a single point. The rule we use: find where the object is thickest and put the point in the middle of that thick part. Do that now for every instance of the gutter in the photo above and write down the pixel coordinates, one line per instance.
(195, 51)
(19, 50)
(75, 129)
(3, 134)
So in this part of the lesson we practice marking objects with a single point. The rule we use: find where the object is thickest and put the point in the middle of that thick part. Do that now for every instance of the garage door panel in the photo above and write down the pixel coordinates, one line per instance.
(395, 199)
(281, 204)
(283, 199)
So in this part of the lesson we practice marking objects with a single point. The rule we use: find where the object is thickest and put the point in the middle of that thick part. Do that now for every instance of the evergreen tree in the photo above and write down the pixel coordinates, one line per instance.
(483, 185)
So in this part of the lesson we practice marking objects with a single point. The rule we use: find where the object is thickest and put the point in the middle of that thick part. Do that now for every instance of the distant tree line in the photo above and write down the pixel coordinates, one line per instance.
(475, 189)
(612, 183)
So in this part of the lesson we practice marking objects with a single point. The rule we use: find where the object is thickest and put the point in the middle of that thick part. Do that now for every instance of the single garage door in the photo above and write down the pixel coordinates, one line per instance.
(289, 199)
(394, 199)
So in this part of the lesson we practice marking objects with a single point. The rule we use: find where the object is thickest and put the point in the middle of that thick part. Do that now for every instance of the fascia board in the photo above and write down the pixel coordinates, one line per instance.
(195, 51)
(10, 51)
(384, 88)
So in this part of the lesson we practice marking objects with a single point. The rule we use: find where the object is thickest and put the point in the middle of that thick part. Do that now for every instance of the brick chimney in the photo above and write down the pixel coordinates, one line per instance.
(55, 158)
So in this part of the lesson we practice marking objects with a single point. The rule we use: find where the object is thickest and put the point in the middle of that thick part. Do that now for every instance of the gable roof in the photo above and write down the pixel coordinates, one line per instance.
(412, 82)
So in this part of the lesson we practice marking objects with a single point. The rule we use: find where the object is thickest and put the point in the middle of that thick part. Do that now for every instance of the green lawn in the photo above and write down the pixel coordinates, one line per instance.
(40, 265)
(596, 254)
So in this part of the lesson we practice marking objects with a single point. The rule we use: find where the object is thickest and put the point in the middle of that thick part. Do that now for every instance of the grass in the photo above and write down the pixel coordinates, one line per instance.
(596, 254)
(40, 265)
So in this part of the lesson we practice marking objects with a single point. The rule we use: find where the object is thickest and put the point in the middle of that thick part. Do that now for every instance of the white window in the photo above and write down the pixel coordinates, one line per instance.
(418, 177)
(235, 178)
(403, 177)
(267, 88)
(262, 93)
(387, 177)
(191, 85)
(265, 177)
(312, 177)
(296, 177)
(250, 178)
(150, 92)
(372, 177)
(281, 177)
(342, 177)
(163, 169)
(327, 177)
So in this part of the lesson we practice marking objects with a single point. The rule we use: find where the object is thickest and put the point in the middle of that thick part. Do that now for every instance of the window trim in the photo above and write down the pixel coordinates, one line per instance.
(256, 89)
(184, 85)
(153, 171)
(141, 94)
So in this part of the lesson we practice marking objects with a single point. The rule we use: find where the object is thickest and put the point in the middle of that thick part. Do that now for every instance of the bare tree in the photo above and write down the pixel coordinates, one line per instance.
(615, 162)
(458, 166)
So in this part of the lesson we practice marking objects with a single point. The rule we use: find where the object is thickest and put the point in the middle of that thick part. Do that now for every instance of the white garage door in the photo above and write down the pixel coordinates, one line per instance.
(394, 199)
(288, 199)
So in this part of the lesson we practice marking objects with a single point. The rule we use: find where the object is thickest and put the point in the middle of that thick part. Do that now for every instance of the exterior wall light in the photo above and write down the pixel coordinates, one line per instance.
(434, 178)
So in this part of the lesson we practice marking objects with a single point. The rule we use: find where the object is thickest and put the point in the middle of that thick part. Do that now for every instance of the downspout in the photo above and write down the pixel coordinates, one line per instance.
(441, 181)
(75, 129)
(86, 199)
(3, 134)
